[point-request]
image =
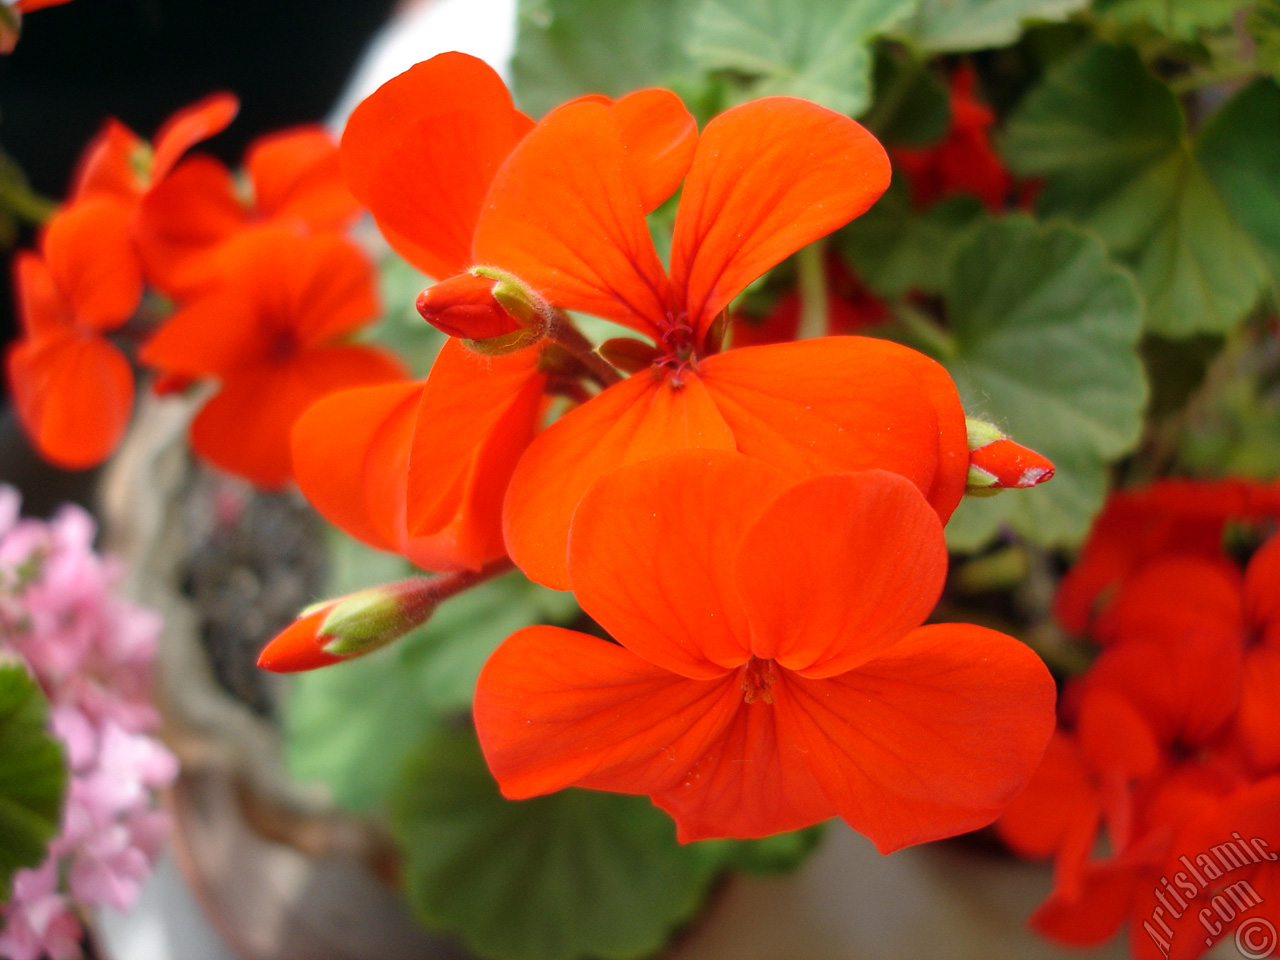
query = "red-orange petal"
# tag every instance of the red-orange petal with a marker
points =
(1262, 590)
(331, 443)
(476, 417)
(332, 286)
(651, 556)
(555, 708)
(840, 404)
(769, 177)
(1258, 721)
(110, 164)
(1186, 682)
(182, 218)
(421, 151)
(565, 215)
(933, 738)
(187, 127)
(88, 247)
(41, 307)
(245, 428)
(74, 394)
(637, 419)
(213, 335)
(1170, 595)
(660, 137)
(839, 568)
(754, 781)
(297, 177)
(1057, 801)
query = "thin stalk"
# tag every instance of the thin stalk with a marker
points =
(812, 279)
(562, 331)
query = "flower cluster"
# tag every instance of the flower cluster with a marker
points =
(91, 651)
(759, 528)
(1169, 745)
(266, 286)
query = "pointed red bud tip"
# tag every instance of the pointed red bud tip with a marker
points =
(997, 463)
(485, 305)
(350, 626)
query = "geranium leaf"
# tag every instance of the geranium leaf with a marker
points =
(1110, 139)
(943, 26)
(565, 48)
(1239, 149)
(816, 51)
(33, 775)
(897, 250)
(1045, 329)
(1183, 19)
(571, 875)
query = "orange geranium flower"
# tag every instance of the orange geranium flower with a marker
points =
(351, 455)
(565, 215)
(770, 671)
(1170, 516)
(73, 389)
(120, 164)
(189, 216)
(273, 331)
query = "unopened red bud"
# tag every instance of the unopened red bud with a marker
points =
(350, 626)
(464, 306)
(997, 463)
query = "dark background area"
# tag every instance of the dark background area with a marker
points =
(139, 60)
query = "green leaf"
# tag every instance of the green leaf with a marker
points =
(816, 50)
(896, 250)
(1111, 141)
(33, 776)
(912, 107)
(1181, 19)
(1263, 25)
(1045, 329)
(943, 26)
(351, 725)
(572, 875)
(1240, 150)
(565, 48)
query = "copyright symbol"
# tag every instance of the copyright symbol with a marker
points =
(1256, 938)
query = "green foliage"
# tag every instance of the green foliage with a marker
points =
(565, 48)
(820, 55)
(946, 26)
(1045, 330)
(1263, 25)
(896, 250)
(1182, 19)
(351, 726)
(33, 775)
(912, 107)
(572, 875)
(1111, 141)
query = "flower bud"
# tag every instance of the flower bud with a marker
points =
(350, 626)
(997, 463)
(492, 309)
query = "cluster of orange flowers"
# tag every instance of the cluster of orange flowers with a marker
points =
(1168, 747)
(264, 282)
(760, 529)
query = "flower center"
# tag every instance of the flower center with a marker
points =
(676, 349)
(756, 680)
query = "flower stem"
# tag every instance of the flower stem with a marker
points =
(562, 331)
(813, 293)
